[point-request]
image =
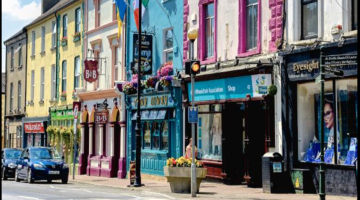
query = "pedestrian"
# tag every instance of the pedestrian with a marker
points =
(189, 150)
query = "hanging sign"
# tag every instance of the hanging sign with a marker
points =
(146, 54)
(91, 73)
(101, 117)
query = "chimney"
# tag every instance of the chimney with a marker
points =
(47, 4)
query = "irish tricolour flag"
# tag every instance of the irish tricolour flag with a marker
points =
(144, 4)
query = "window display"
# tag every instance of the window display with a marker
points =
(340, 113)
(210, 132)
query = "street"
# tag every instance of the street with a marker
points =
(12, 190)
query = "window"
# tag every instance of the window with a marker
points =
(53, 82)
(168, 45)
(116, 64)
(251, 24)
(12, 58)
(33, 43)
(77, 20)
(20, 56)
(97, 14)
(53, 35)
(19, 95)
(114, 11)
(209, 132)
(11, 96)
(64, 71)
(65, 24)
(32, 85)
(43, 39)
(354, 14)
(77, 73)
(340, 114)
(42, 84)
(209, 30)
(309, 19)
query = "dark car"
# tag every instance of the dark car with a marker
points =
(41, 163)
(9, 158)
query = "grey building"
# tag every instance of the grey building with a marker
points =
(15, 107)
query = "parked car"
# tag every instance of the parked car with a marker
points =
(41, 163)
(9, 158)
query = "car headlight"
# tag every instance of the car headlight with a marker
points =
(38, 166)
(65, 166)
(12, 165)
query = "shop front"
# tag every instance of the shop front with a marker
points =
(14, 133)
(162, 135)
(34, 131)
(235, 124)
(100, 137)
(302, 114)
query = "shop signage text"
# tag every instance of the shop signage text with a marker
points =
(146, 54)
(36, 127)
(101, 117)
(91, 73)
(153, 101)
(338, 60)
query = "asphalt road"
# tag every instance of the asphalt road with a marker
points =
(11, 190)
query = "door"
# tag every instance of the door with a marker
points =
(233, 157)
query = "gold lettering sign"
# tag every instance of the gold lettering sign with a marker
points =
(309, 66)
(154, 101)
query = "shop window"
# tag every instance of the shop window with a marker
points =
(155, 135)
(209, 132)
(164, 129)
(147, 135)
(340, 106)
(309, 19)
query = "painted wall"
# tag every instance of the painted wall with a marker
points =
(330, 13)
(156, 21)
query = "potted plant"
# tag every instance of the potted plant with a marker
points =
(178, 174)
(74, 95)
(77, 36)
(165, 81)
(63, 96)
(64, 41)
(51, 132)
(65, 134)
(165, 70)
(150, 83)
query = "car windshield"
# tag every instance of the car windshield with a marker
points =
(44, 153)
(12, 154)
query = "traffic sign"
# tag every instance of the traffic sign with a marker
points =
(193, 115)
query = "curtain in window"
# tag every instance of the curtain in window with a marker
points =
(251, 24)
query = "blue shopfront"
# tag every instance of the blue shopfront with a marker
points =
(161, 135)
(235, 126)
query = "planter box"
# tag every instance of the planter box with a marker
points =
(180, 178)
(63, 42)
(77, 38)
(62, 98)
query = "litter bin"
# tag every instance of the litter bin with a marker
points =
(273, 173)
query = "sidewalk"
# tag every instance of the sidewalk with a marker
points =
(208, 190)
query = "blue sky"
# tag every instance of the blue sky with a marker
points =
(15, 15)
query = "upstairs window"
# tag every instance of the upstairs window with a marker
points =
(11, 96)
(309, 19)
(33, 43)
(42, 84)
(65, 25)
(168, 45)
(77, 73)
(251, 24)
(116, 63)
(97, 13)
(12, 58)
(32, 85)
(53, 35)
(20, 56)
(53, 82)
(19, 95)
(43, 39)
(64, 71)
(209, 30)
(77, 20)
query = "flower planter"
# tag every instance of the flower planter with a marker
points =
(62, 98)
(77, 38)
(180, 178)
(63, 42)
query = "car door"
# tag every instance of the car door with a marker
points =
(22, 163)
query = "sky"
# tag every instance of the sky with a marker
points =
(15, 15)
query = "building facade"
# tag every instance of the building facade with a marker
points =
(16, 87)
(236, 46)
(3, 127)
(320, 33)
(102, 125)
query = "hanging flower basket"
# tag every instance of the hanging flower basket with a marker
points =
(165, 70)
(165, 81)
(151, 82)
(77, 36)
(64, 41)
(128, 88)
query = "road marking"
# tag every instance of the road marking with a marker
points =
(29, 198)
(164, 195)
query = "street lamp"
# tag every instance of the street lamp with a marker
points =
(192, 35)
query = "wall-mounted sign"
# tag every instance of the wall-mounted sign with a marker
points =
(231, 88)
(154, 101)
(146, 54)
(101, 117)
(34, 127)
(91, 73)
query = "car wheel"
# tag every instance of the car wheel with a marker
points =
(16, 176)
(49, 180)
(4, 174)
(30, 178)
(64, 180)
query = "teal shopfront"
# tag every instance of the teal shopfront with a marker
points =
(161, 135)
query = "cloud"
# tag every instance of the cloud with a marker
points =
(21, 12)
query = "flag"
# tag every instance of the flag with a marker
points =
(120, 14)
(144, 5)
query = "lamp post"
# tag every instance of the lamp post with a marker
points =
(192, 35)
(322, 170)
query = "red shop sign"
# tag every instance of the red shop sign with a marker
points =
(36, 127)
(91, 73)
(101, 117)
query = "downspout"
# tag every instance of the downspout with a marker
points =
(25, 115)
(57, 56)
(283, 28)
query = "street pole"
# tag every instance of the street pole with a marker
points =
(75, 149)
(322, 170)
(138, 120)
(193, 165)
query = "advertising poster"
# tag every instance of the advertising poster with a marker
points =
(146, 54)
(329, 118)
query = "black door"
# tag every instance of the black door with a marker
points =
(233, 156)
(255, 116)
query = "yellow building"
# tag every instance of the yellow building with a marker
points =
(54, 66)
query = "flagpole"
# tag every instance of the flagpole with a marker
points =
(138, 120)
